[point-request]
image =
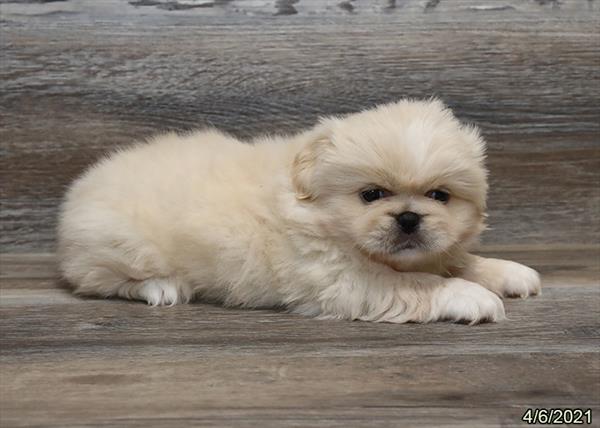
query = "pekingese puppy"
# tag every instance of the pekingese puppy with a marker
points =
(369, 216)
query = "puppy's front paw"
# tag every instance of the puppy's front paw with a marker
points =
(464, 301)
(506, 278)
(520, 281)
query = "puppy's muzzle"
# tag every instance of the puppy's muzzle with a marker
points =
(408, 222)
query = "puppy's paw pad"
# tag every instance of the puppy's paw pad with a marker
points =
(159, 292)
(520, 281)
(465, 301)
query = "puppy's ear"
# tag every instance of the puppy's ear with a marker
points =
(305, 163)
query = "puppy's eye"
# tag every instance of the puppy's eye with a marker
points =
(438, 195)
(371, 195)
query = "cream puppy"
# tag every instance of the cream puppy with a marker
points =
(364, 217)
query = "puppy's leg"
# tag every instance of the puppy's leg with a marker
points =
(410, 297)
(503, 277)
(116, 261)
(155, 291)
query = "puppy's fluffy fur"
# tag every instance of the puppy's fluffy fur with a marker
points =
(312, 222)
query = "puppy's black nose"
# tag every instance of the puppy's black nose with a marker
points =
(408, 221)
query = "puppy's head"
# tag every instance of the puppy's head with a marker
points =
(403, 183)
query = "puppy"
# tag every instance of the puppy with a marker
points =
(369, 217)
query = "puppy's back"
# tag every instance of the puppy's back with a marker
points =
(135, 214)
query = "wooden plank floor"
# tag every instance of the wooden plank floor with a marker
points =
(73, 362)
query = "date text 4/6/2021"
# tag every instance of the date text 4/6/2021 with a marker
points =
(557, 416)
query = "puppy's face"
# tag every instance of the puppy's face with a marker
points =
(404, 183)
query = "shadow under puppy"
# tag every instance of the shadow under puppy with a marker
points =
(368, 216)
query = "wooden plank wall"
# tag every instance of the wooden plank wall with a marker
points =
(79, 78)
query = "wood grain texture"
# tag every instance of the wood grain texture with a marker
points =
(80, 78)
(66, 361)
